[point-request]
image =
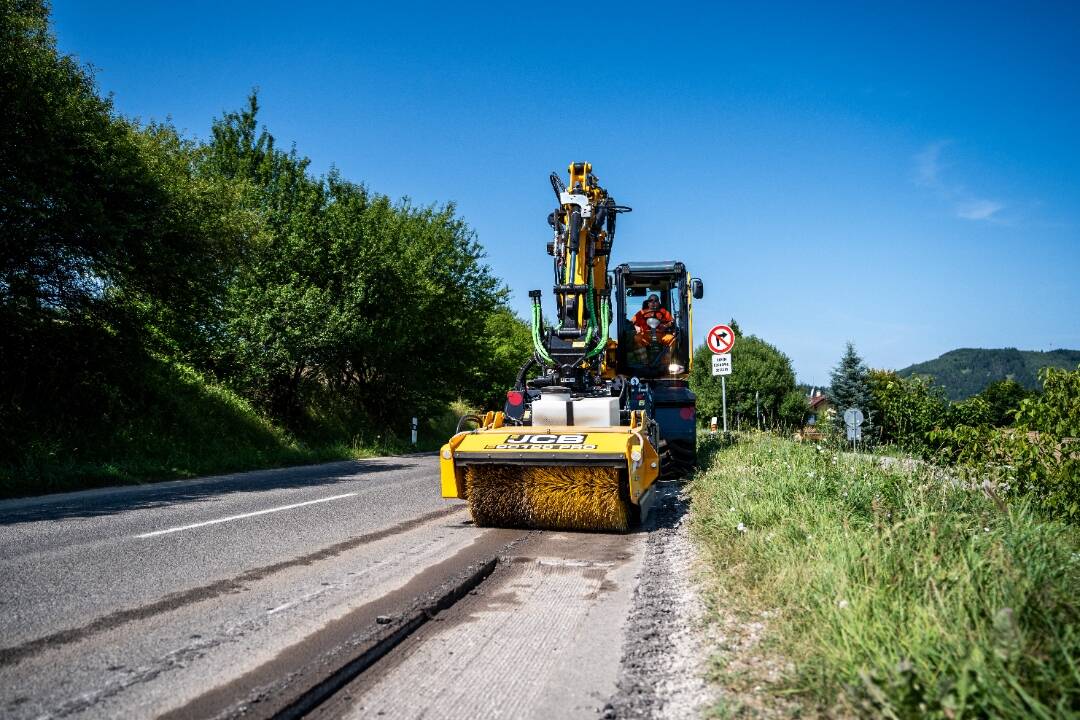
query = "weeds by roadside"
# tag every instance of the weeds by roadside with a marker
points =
(890, 592)
(185, 425)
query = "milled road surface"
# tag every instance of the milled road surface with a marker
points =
(241, 595)
(540, 638)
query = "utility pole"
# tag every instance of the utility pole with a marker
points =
(757, 408)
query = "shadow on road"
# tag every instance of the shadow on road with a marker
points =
(136, 497)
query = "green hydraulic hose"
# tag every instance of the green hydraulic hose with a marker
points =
(592, 310)
(605, 320)
(538, 346)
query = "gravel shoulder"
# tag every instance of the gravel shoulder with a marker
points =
(665, 657)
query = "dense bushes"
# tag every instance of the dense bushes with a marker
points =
(1039, 457)
(1024, 442)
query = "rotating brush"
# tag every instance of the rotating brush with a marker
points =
(554, 497)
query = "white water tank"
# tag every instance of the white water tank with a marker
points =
(553, 409)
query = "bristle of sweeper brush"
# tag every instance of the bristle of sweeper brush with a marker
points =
(570, 497)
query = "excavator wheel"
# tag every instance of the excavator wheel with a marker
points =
(678, 459)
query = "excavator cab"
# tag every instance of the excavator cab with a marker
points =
(660, 354)
(658, 349)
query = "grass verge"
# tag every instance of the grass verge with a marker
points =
(889, 592)
(179, 424)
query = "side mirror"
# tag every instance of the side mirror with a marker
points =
(697, 288)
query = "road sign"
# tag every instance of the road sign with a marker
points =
(720, 339)
(721, 364)
(854, 433)
(853, 417)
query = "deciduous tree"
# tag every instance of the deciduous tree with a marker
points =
(757, 367)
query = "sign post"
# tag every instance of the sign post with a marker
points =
(723, 395)
(853, 420)
(720, 340)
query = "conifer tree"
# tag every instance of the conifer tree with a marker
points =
(851, 388)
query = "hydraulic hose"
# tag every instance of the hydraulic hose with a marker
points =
(592, 309)
(520, 383)
(538, 347)
(605, 320)
(465, 419)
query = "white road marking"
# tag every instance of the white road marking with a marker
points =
(244, 515)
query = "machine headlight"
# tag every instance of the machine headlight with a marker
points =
(675, 368)
(446, 454)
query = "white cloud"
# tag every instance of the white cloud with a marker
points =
(978, 209)
(928, 165)
(930, 172)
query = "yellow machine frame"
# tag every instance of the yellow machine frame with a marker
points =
(623, 446)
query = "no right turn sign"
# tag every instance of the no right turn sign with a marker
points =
(720, 339)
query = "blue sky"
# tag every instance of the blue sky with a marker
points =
(906, 177)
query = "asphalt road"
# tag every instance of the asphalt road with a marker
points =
(226, 596)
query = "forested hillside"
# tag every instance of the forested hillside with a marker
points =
(968, 371)
(171, 306)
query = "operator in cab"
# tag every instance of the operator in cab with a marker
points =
(651, 316)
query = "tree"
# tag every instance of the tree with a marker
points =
(126, 248)
(757, 368)
(1004, 398)
(504, 349)
(850, 388)
(112, 246)
(381, 308)
(794, 408)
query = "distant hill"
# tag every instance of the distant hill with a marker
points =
(967, 371)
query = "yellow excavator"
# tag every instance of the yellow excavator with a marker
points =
(580, 445)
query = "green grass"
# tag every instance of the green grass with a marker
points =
(178, 425)
(892, 593)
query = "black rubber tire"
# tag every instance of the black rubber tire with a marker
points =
(678, 460)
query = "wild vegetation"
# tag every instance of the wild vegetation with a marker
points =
(171, 306)
(1023, 442)
(935, 577)
(893, 591)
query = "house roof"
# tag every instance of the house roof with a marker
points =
(818, 400)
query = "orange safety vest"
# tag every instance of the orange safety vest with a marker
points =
(642, 316)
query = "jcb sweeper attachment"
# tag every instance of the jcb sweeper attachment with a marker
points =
(569, 477)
